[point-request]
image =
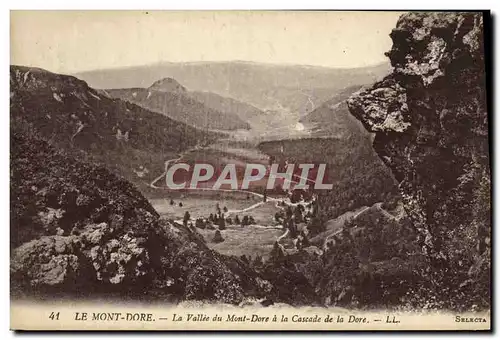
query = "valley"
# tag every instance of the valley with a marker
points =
(160, 182)
(257, 225)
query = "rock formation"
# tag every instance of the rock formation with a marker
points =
(430, 120)
(78, 229)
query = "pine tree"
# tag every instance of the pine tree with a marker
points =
(218, 237)
(222, 223)
(186, 219)
(277, 217)
(258, 262)
(244, 222)
(298, 215)
(305, 239)
(277, 252)
(292, 228)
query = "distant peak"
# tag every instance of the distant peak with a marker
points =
(167, 85)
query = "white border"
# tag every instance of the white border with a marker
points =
(186, 4)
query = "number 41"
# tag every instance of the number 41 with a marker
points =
(54, 316)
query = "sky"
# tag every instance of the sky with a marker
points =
(75, 41)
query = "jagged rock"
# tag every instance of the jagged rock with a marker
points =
(77, 228)
(58, 260)
(431, 125)
(430, 120)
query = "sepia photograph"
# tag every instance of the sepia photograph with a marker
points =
(250, 170)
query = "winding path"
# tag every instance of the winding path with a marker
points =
(327, 239)
(377, 205)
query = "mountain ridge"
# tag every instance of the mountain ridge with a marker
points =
(265, 86)
(91, 125)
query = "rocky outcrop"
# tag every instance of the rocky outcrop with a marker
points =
(430, 120)
(78, 229)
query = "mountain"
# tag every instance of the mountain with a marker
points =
(292, 88)
(246, 112)
(333, 117)
(80, 230)
(124, 137)
(170, 98)
(167, 85)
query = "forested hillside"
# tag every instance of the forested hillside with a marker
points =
(128, 139)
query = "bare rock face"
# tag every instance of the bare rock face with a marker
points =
(431, 129)
(91, 257)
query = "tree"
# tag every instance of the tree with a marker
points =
(298, 243)
(211, 218)
(285, 223)
(277, 253)
(292, 228)
(186, 219)
(222, 223)
(225, 209)
(251, 220)
(298, 214)
(237, 220)
(296, 196)
(305, 239)
(180, 204)
(277, 217)
(265, 196)
(172, 202)
(258, 262)
(314, 226)
(245, 222)
(200, 223)
(218, 237)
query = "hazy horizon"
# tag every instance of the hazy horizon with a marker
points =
(232, 62)
(80, 41)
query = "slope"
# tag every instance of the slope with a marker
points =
(128, 139)
(170, 98)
